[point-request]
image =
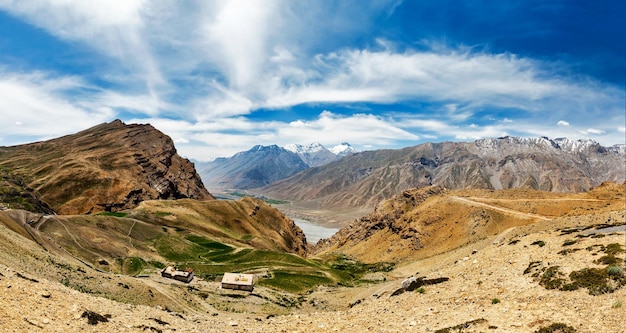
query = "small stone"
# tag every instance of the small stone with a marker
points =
(233, 323)
(413, 323)
(46, 321)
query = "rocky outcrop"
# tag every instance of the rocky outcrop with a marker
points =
(109, 167)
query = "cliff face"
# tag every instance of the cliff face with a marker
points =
(109, 167)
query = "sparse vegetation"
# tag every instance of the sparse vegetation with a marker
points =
(615, 271)
(551, 278)
(133, 265)
(556, 328)
(539, 243)
(95, 318)
(569, 242)
(461, 327)
(114, 214)
(617, 305)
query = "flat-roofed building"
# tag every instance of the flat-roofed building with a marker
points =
(172, 273)
(238, 281)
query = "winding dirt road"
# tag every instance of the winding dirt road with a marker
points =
(500, 209)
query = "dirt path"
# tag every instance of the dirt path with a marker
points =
(500, 209)
(130, 239)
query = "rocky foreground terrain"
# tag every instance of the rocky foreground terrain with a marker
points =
(495, 285)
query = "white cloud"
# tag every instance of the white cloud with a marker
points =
(38, 105)
(234, 57)
(225, 136)
(621, 129)
(114, 28)
(592, 131)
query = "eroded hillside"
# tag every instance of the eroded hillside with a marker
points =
(367, 178)
(423, 222)
(109, 167)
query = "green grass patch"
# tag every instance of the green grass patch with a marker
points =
(114, 214)
(356, 269)
(162, 214)
(294, 282)
(287, 272)
(156, 264)
(133, 265)
(209, 244)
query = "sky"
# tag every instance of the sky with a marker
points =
(219, 77)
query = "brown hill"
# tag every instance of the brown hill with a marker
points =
(365, 179)
(109, 167)
(158, 231)
(505, 283)
(424, 222)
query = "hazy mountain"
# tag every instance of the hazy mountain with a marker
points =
(263, 165)
(108, 167)
(259, 166)
(366, 178)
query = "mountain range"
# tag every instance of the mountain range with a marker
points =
(263, 165)
(366, 178)
(89, 220)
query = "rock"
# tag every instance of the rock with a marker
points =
(408, 282)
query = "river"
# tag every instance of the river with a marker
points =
(314, 232)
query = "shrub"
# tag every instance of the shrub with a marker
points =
(615, 271)
(617, 305)
(569, 242)
(539, 243)
(495, 301)
(556, 327)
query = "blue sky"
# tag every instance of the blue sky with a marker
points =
(222, 76)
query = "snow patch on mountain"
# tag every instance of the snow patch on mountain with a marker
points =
(343, 149)
(308, 149)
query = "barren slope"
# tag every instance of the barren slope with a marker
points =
(365, 179)
(490, 289)
(109, 167)
(429, 221)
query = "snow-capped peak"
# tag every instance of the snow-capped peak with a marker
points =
(300, 149)
(343, 149)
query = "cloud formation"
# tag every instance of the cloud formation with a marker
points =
(221, 76)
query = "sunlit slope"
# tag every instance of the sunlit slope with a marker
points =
(429, 221)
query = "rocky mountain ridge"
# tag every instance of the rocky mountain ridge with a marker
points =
(366, 178)
(263, 165)
(109, 167)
